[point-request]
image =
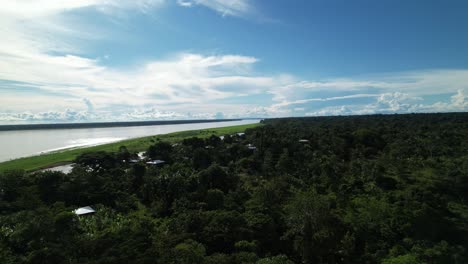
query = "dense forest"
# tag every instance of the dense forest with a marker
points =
(363, 189)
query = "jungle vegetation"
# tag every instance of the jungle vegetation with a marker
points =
(362, 189)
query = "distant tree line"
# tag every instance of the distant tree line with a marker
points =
(107, 124)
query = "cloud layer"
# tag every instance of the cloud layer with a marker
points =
(45, 76)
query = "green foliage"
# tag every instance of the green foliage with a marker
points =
(214, 199)
(310, 225)
(281, 259)
(368, 189)
(201, 159)
(97, 160)
(189, 252)
(403, 259)
(246, 246)
(161, 151)
(215, 177)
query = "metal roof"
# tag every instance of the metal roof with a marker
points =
(141, 155)
(84, 210)
(155, 162)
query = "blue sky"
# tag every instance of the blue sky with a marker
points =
(108, 60)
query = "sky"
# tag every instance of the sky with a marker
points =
(124, 60)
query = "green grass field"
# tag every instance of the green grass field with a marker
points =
(137, 144)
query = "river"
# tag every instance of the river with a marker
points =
(23, 143)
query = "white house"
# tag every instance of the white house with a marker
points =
(84, 210)
(155, 162)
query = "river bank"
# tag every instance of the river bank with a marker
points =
(62, 157)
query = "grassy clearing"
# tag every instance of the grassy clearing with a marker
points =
(133, 145)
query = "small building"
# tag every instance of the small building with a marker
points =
(133, 161)
(241, 134)
(303, 141)
(84, 210)
(155, 162)
(67, 168)
(141, 155)
(251, 147)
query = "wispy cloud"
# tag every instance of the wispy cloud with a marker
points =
(25, 9)
(186, 78)
(224, 7)
(412, 82)
(38, 50)
(397, 102)
(305, 101)
(185, 3)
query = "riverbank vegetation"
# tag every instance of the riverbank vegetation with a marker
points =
(367, 189)
(47, 160)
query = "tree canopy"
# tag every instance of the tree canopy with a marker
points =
(362, 189)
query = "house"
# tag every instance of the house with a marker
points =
(303, 141)
(84, 210)
(67, 168)
(251, 147)
(155, 162)
(141, 155)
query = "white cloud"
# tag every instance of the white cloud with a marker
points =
(88, 104)
(413, 82)
(184, 78)
(27, 9)
(305, 101)
(333, 111)
(152, 114)
(397, 103)
(395, 92)
(70, 115)
(459, 100)
(49, 116)
(184, 3)
(224, 7)
(38, 49)
(385, 103)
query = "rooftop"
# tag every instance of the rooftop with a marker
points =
(84, 210)
(155, 162)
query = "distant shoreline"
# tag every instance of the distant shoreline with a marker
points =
(107, 124)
